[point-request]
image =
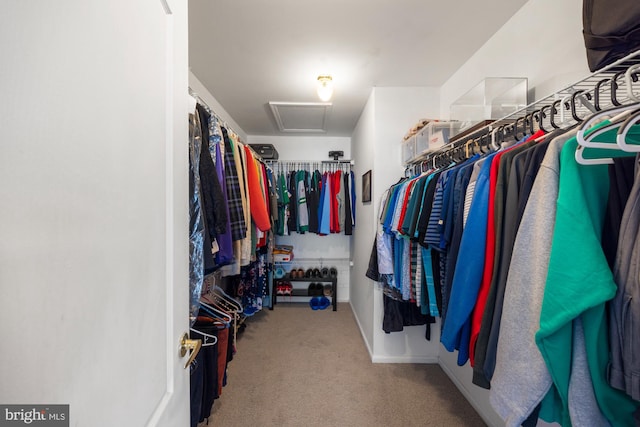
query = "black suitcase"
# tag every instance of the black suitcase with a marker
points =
(266, 151)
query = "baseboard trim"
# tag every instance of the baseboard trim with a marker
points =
(479, 409)
(405, 359)
(364, 338)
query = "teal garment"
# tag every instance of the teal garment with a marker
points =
(283, 204)
(428, 303)
(579, 283)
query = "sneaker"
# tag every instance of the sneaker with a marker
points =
(323, 303)
(328, 290)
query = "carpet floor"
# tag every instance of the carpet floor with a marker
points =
(299, 367)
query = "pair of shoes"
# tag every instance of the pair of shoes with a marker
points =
(315, 290)
(312, 273)
(297, 273)
(328, 290)
(329, 273)
(284, 288)
(319, 303)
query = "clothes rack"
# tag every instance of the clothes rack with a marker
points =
(611, 86)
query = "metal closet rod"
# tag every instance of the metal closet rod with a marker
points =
(352, 162)
(585, 95)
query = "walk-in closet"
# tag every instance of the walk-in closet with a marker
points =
(326, 214)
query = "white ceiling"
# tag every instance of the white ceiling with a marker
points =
(250, 52)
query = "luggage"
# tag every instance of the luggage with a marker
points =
(266, 151)
(611, 30)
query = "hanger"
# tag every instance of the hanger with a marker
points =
(626, 118)
(631, 76)
(596, 94)
(207, 337)
(552, 112)
(494, 143)
(232, 301)
(614, 88)
(216, 312)
(619, 113)
(623, 130)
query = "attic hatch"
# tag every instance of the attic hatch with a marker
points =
(301, 117)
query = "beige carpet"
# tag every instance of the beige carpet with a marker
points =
(299, 367)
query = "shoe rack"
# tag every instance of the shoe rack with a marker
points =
(301, 289)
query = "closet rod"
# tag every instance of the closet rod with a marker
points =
(599, 90)
(334, 162)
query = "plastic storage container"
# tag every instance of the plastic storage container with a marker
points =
(491, 99)
(408, 149)
(435, 134)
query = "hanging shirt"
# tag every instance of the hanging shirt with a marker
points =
(348, 220)
(579, 283)
(225, 242)
(352, 181)
(521, 378)
(303, 212)
(325, 206)
(467, 276)
(313, 200)
(624, 319)
(234, 197)
(259, 212)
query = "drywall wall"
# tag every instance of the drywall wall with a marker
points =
(361, 289)
(311, 250)
(390, 112)
(542, 41)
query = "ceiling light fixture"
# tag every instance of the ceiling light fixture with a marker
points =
(325, 87)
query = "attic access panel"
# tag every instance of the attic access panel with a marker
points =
(301, 117)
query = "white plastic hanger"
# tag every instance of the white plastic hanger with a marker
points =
(623, 130)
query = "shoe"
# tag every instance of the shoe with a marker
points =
(308, 274)
(287, 289)
(314, 303)
(311, 290)
(323, 303)
(316, 273)
(300, 273)
(279, 289)
(328, 290)
(293, 274)
(325, 272)
(279, 273)
(333, 273)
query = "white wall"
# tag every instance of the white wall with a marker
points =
(312, 250)
(390, 112)
(543, 42)
(397, 110)
(363, 144)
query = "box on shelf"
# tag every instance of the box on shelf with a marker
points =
(283, 253)
(408, 149)
(491, 99)
(436, 134)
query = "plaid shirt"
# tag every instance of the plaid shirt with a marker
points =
(234, 198)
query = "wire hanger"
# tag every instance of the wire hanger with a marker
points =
(216, 312)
